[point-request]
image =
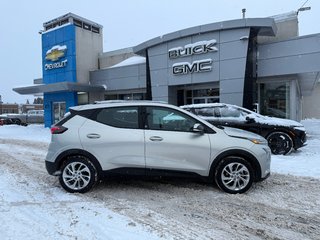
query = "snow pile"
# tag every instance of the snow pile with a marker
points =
(32, 132)
(305, 161)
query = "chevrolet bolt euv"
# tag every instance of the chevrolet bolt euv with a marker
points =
(152, 138)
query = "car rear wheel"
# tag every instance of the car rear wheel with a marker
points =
(16, 121)
(78, 174)
(280, 143)
(234, 175)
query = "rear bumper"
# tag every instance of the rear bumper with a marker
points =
(52, 168)
(263, 178)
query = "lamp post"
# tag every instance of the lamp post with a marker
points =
(243, 13)
(303, 9)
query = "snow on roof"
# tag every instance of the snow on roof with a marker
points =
(130, 61)
(248, 113)
(58, 48)
(204, 105)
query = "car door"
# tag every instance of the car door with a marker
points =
(114, 137)
(171, 144)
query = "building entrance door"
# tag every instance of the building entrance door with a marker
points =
(59, 110)
(205, 95)
(274, 99)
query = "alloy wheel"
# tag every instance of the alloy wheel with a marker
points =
(76, 175)
(235, 176)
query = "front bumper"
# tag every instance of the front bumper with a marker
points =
(299, 139)
(263, 155)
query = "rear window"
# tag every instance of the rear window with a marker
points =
(66, 118)
(120, 117)
(72, 113)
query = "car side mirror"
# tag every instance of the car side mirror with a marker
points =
(250, 120)
(198, 128)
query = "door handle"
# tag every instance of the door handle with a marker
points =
(156, 139)
(93, 135)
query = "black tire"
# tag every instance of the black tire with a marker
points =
(234, 175)
(78, 174)
(280, 143)
(16, 121)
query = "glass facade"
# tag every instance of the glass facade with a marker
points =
(127, 96)
(209, 95)
(83, 98)
(275, 99)
(59, 110)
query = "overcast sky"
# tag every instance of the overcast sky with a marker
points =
(126, 23)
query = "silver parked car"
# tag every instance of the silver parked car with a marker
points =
(141, 137)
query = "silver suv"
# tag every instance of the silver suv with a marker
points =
(148, 138)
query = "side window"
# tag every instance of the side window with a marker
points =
(120, 117)
(168, 120)
(230, 113)
(217, 113)
(244, 113)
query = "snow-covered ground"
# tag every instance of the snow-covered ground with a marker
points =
(34, 206)
(305, 161)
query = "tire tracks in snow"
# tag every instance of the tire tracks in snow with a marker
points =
(271, 210)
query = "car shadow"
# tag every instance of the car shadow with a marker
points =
(144, 182)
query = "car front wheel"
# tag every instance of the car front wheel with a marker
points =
(234, 175)
(280, 143)
(78, 175)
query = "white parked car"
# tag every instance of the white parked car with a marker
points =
(141, 137)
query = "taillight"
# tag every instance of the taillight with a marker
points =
(58, 129)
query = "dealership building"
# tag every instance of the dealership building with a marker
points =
(259, 63)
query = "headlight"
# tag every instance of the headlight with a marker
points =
(258, 141)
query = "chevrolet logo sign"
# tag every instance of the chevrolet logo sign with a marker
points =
(56, 52)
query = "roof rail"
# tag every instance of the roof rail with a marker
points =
(123, 101)
(109, 101)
